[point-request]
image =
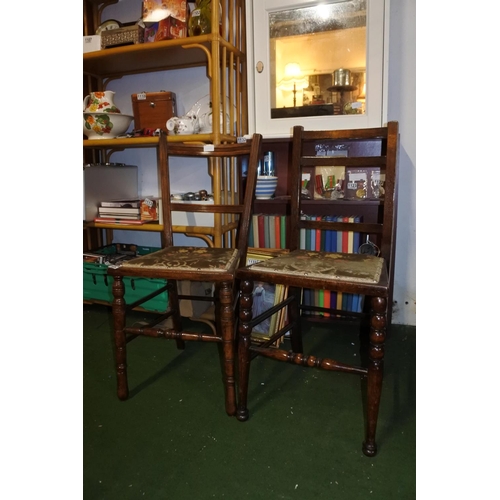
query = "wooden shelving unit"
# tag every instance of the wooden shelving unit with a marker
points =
(222, 52)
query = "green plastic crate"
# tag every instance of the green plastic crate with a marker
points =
(97, 285)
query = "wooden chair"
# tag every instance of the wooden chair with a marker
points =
(215, 263)
(349, 273)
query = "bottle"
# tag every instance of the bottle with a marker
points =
(200, 20)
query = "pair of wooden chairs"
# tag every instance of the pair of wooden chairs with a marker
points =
(368, 274)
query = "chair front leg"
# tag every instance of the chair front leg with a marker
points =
(244, 330)
(227, 325)
(119, 336)
(378, 325)
(173, 305)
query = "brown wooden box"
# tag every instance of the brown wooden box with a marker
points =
(153, 109)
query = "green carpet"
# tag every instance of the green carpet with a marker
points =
(173, 440)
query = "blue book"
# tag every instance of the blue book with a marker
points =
(349, 302)
(355, 302)
(328, 235)
(356, 236)
(313, 239)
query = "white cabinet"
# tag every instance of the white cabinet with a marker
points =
(322, 65)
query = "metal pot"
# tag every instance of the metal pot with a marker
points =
(341, 77)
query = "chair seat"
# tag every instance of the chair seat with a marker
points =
(194, 260)
(357, 268)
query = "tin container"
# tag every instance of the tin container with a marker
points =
(341, 77)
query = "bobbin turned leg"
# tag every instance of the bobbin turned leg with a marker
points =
(120, 339)
(244, 330)
(225, 291)
(375, 371)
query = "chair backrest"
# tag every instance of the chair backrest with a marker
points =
(229, 207)
(368, 154)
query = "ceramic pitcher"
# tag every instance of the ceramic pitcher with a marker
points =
(100, 102)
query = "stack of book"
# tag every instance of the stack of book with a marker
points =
(146, 210)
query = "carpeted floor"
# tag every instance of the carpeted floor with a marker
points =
(172, 439)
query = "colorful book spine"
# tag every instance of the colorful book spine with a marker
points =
(277, 231)
(283, 231)
(255, 228)
(261, 231)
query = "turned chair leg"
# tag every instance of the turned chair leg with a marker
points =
(226, 318)
(375, 371)
(244, 331)
(294, 316)
(120, 339)
(173, 305)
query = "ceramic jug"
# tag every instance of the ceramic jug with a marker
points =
(100, 102)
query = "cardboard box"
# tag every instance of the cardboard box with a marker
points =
(170, 29)
(156, 10)
(153, 109)
(193, 218)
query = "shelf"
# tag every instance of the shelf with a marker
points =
(147, 57)
(146, 142)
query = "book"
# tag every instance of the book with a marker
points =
(250, 234)
(283, 231)
(150, 208)
(119, 210)
(277, 231)
(115, 215)
(261, 231)
(272, 231)
(345, 237)
(125, 222)
(255, 230)
(128, 203)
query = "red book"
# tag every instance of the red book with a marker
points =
(262, 231)
(277, 230)
(319, 235)
(345, 237)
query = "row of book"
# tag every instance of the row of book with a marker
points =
(331, 241)
(267, 231)
(145, 210)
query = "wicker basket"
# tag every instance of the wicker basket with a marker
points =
(122, 36)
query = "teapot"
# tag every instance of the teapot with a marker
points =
(183, 125)
(100, 102)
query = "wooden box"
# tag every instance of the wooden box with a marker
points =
(153, 109)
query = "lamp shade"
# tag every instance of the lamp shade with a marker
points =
(293, 79)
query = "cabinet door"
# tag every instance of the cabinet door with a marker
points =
(316, 64)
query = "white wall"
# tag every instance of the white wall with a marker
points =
(401, 107)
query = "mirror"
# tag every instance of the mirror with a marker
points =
(318, 59)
